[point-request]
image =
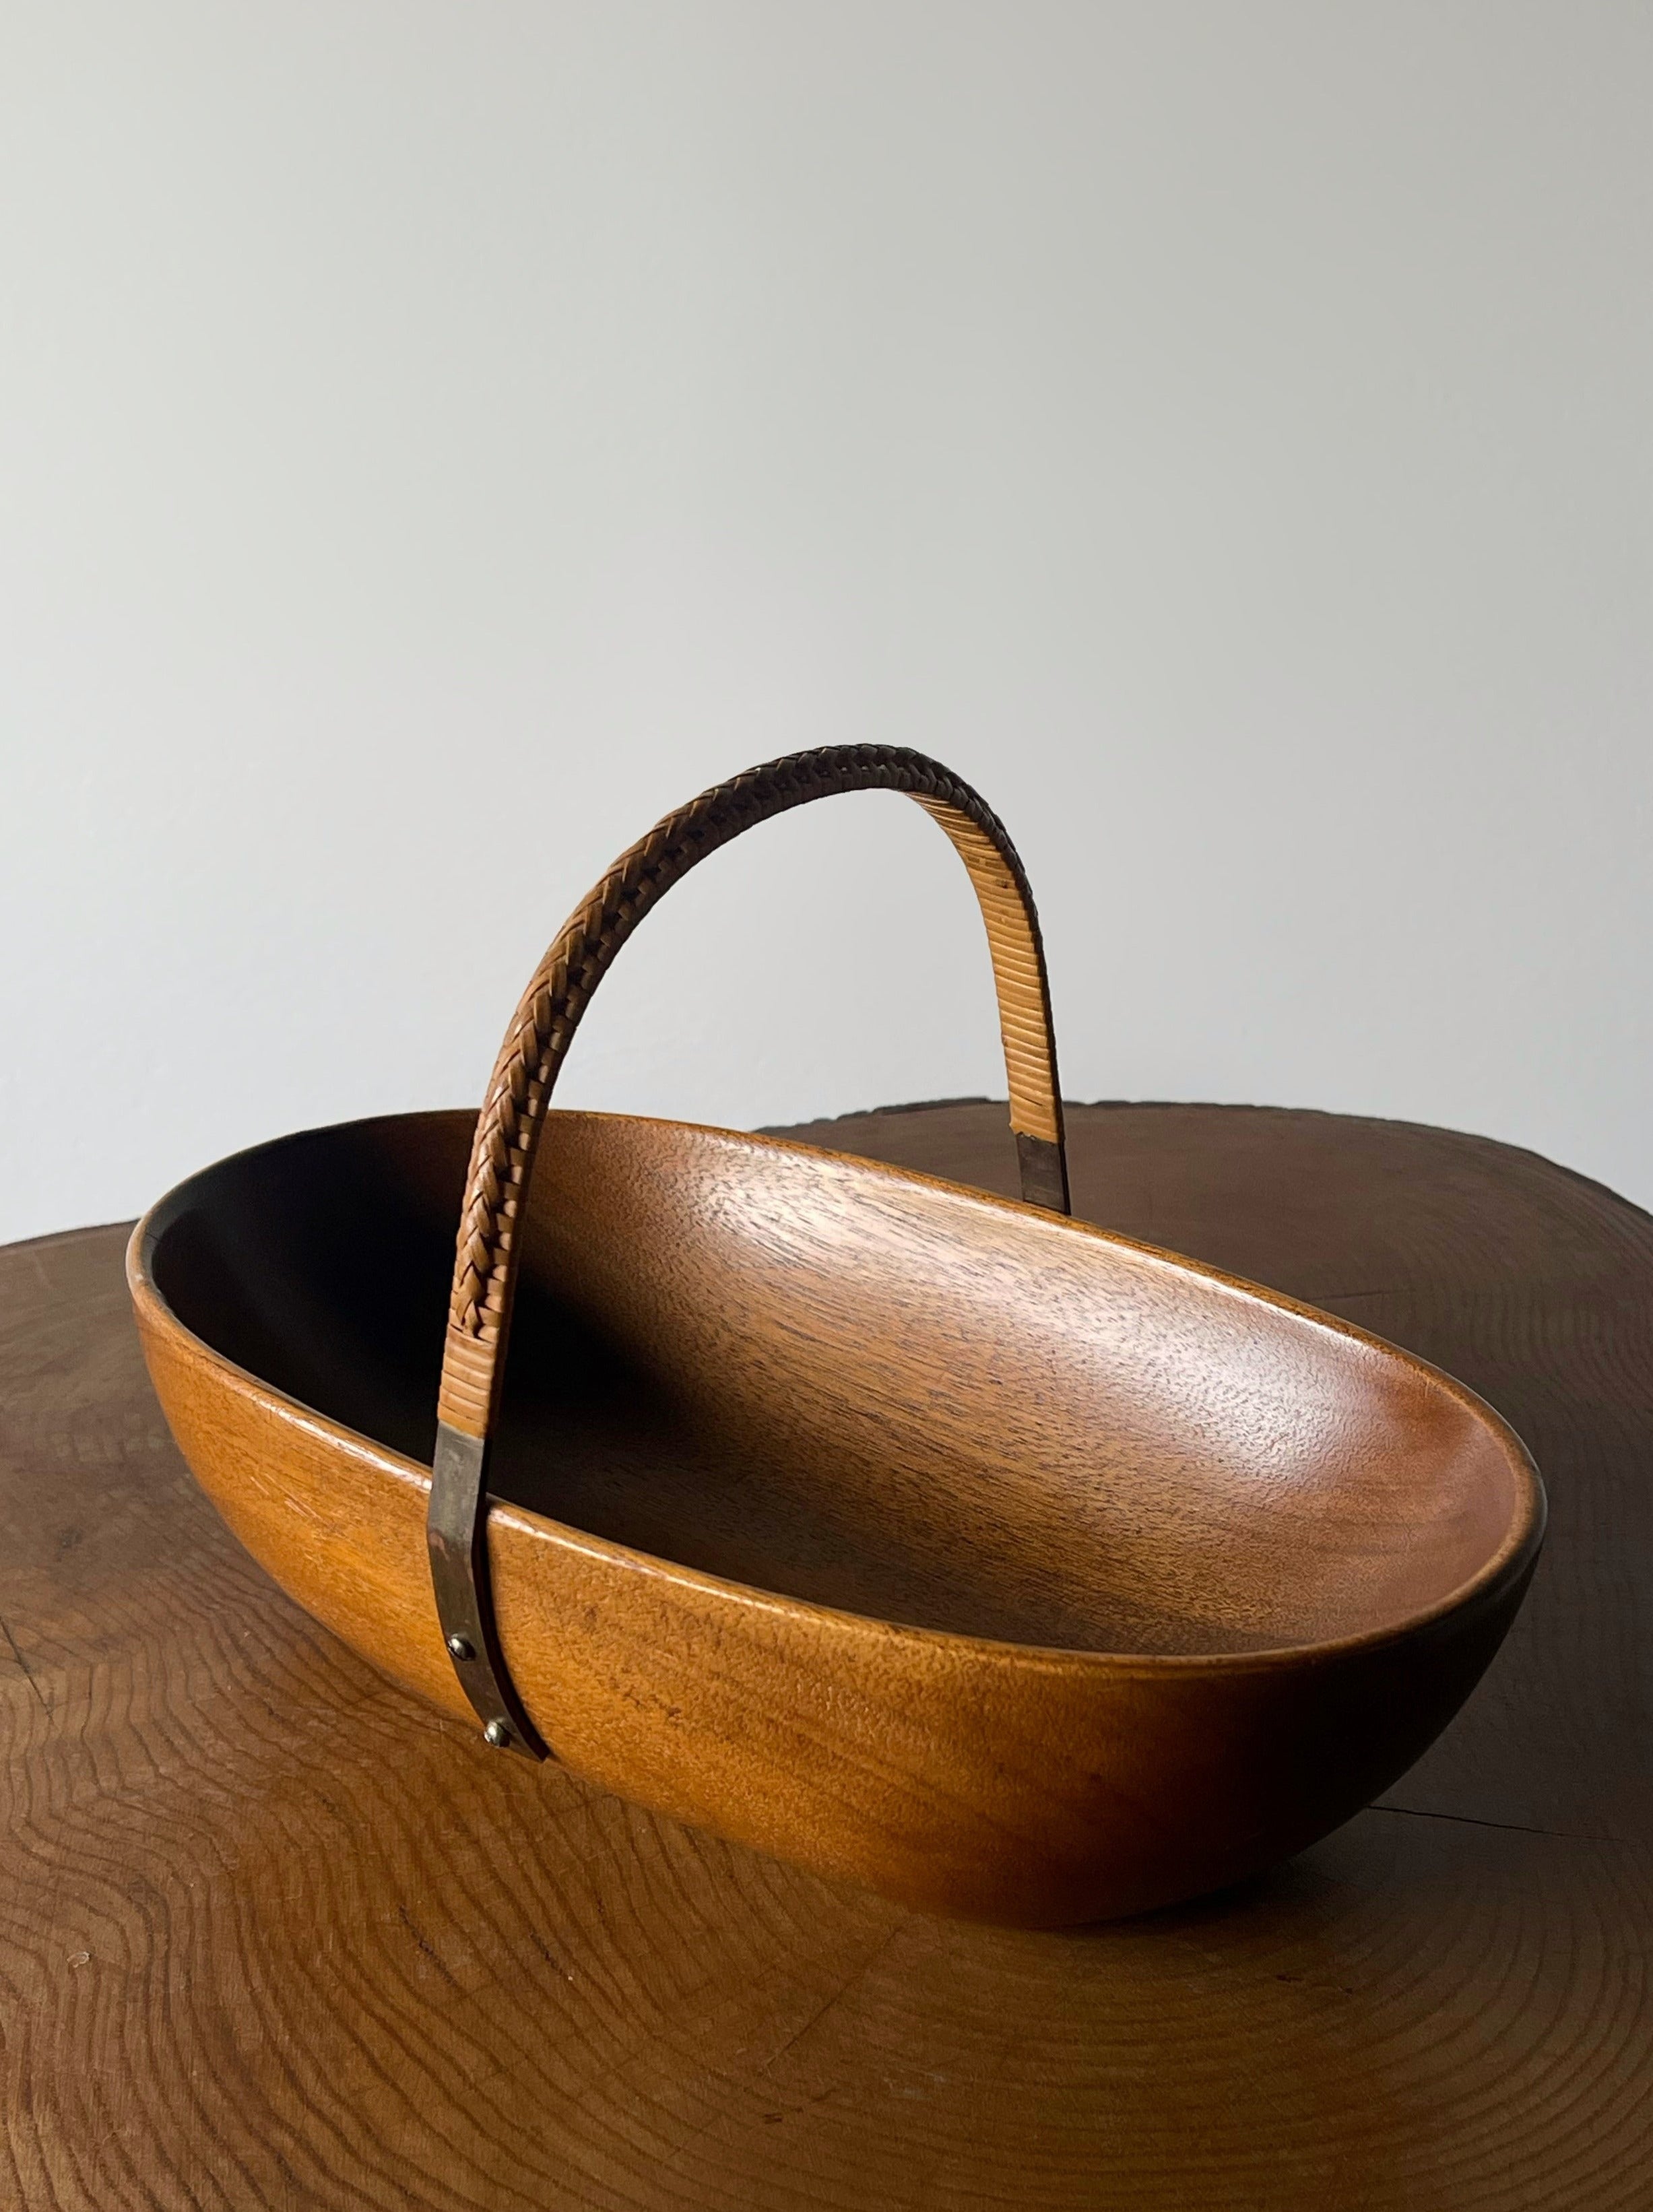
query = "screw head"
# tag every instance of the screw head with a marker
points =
(459, 1649)
(497, 1734)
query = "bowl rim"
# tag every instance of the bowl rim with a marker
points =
(1508, 1565)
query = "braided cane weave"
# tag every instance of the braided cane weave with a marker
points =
(538, 1040)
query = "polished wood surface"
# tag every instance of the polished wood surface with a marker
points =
(1016, 1570)
(274, 1934)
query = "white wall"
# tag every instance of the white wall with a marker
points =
(435, 439)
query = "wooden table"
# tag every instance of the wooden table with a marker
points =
(273, 1936)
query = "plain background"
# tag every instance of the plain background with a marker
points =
(435, 440)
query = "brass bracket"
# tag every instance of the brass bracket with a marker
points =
(456, 1531)
(1044, 1172)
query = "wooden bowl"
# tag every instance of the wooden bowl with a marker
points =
(1014, 1568)
(1106, 1582)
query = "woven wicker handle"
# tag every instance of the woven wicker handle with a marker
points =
(537, 1042)
(513, 1113)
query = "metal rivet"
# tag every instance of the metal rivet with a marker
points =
(459, 1649)
(497, 1734)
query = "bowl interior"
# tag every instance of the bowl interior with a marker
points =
(817, 1376)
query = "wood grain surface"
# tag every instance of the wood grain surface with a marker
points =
(273, 1934)
(1011, 1568)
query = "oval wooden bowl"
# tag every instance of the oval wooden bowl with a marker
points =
(1102, 1581)
(1014, 1568)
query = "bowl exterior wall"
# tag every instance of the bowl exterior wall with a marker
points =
(987, 1781)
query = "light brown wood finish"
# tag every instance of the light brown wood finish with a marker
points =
(274, 1934)
(1012, 1569)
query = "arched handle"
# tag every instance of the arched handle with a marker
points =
(526, 1072)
